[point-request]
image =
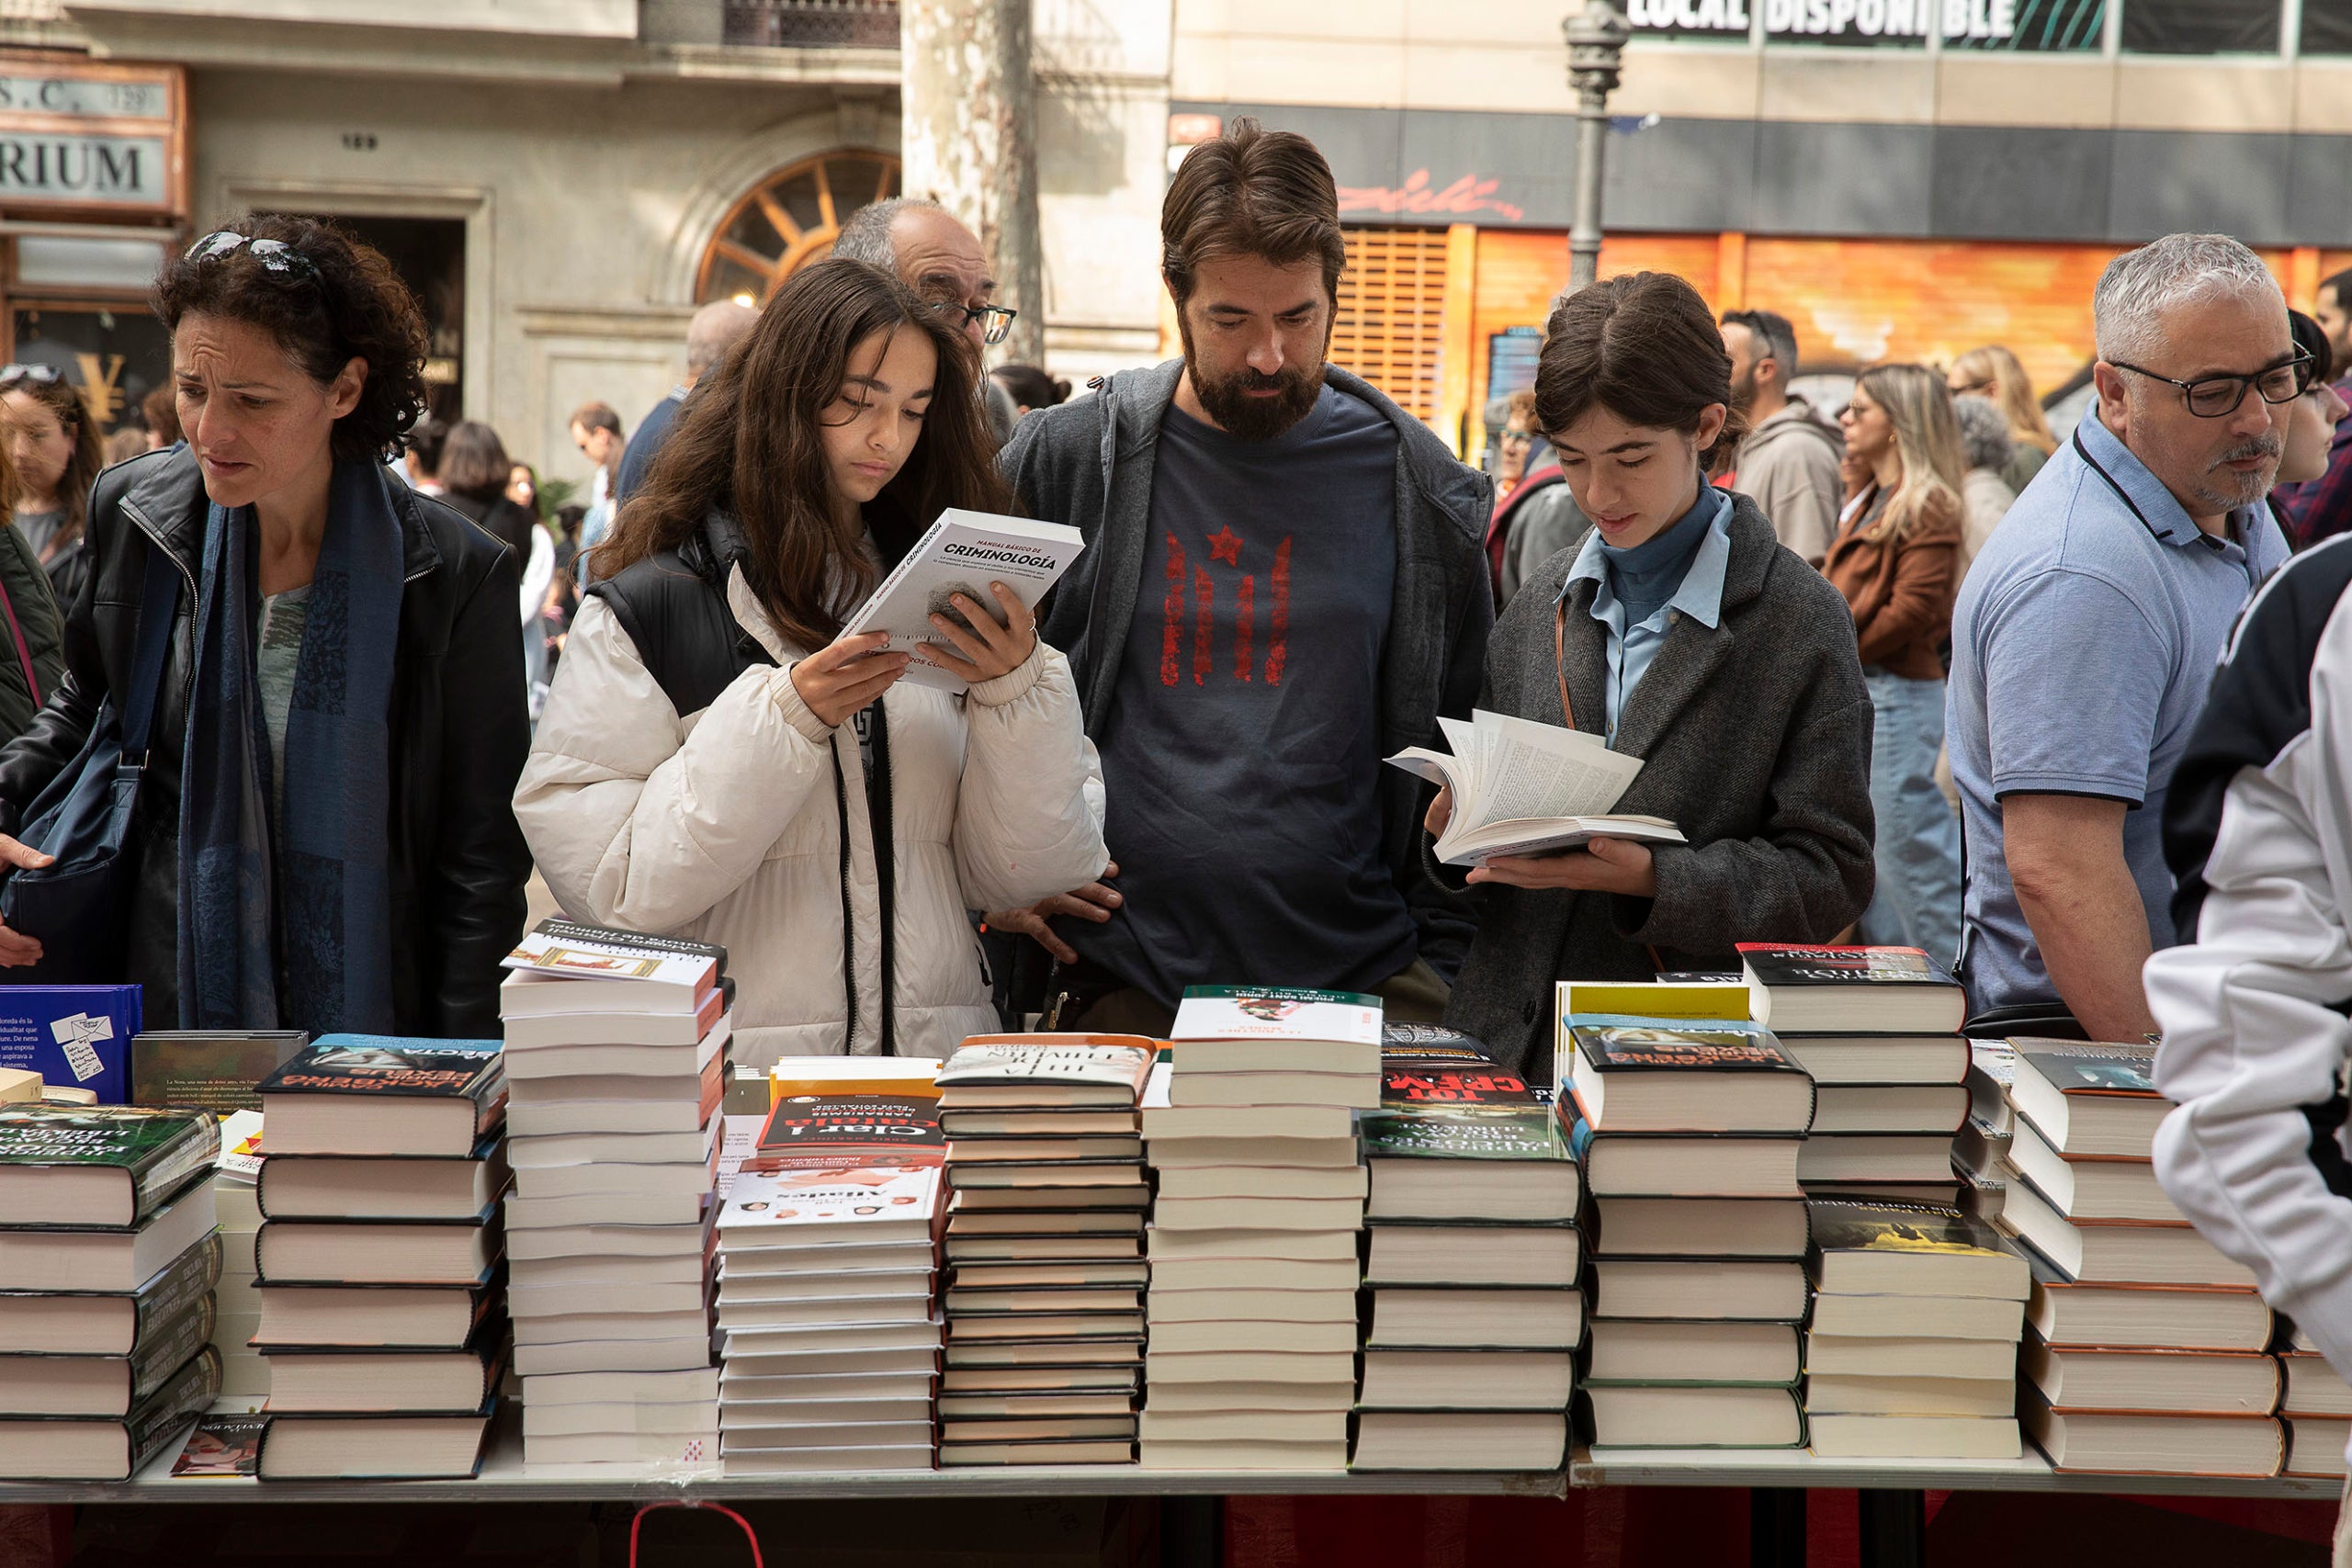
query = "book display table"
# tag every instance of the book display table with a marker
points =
(1893, 1522)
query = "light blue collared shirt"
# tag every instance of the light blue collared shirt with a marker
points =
(1632, 649)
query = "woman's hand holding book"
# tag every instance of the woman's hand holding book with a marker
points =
(1605, 865)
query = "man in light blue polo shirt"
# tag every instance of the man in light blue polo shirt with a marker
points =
(2084, 638)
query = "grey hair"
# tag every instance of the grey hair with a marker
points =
(866, 236)
(2139, 286)
(715, 328)
(1984, 431)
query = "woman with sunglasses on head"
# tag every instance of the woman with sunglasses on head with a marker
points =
(717, 760)
(325, 838)
(56, 452)
(1994, 372)
(1681, 632)
(1897, 560)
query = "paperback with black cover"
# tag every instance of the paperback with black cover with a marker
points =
(98, 1165)
(828, 1131)
(1832, 988)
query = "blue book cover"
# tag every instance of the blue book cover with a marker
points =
(74, 1037)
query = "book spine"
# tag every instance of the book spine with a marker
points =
(189, 1279)
(156, 1425)
(151, 1363)
(900, 573)
(157, 1173)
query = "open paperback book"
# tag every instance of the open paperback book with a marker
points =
(1524, 788)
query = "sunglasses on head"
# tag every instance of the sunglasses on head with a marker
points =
(39, 375)
(276, 256)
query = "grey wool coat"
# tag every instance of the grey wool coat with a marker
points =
(1755, 738)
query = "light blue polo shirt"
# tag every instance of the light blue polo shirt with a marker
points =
(1632, 649)
(2083, 644)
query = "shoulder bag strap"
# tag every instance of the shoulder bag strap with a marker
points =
(1560, 658)
(24, 650)
(158, 602)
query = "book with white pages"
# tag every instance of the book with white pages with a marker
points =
(962, 552)
(1522, 788)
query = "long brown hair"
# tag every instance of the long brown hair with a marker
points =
(1927, 438)
(89, 455)
(747, 443)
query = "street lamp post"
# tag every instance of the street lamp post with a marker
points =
(1596, 39)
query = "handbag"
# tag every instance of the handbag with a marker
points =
(78, 906)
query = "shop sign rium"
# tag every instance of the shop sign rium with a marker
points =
(78, 134)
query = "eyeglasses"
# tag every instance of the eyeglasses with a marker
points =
(1517, 437)
(39, 375)
(276, 256)
(996, 321)
(2218, 397)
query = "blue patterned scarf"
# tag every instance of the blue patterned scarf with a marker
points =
(316, 897)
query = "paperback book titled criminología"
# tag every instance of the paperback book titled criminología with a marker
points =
(962, 553)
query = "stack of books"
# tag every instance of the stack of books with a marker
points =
(382, 1318)
(2316, 1405)
(617, 1046)
(245, 1376)
(1044, 1326)
(1689, 1132)
(1475, 1316)
(1913, 1348)
(1251, 1360)
(1877, 1030)
(108, 1264)
(828, 1278)
(2121, 1276)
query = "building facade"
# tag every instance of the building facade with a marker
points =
(562, 181)
(1902, 178)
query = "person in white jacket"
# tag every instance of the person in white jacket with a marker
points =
(2259, 833)
(718, 761)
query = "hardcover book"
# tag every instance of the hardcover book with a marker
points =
(353, 1094)
(1865, 1248)
(73, 1448)
(217, 1069)
(78, 1036)
(56, 1323)
(98, 1165)
(810, 1132)
(2089, 1097)
(1852, 988)
(1657, 1076)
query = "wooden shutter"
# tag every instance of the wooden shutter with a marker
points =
(1390, 325)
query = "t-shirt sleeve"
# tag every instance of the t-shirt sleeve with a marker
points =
(2075, 673)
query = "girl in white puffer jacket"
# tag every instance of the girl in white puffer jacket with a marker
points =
(716, 762)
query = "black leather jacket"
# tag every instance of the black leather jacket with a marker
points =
(459, 732)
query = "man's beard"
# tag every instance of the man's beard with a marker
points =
(1247, 418)
(2226, 491)
(1742, 390)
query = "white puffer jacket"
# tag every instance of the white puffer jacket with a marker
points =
(726, 826)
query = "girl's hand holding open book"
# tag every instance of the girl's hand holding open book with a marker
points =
(1605, 865)
(990, 649)
(1441, 812)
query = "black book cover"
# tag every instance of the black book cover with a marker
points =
(1770, 964)
(1614, 1046)
(167, 1292)
(2074, 1067)
(378, 1065)
(1840, 1224)
(156, 1425)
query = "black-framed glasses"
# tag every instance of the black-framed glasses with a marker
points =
(2218, 397)
(996, 321)
(275, 255)
(39, 375)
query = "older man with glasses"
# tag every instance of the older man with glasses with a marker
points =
(940, 259)
(2084, 638)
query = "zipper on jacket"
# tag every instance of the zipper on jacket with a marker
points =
(155, 537)
(886, 872)
(849, 914)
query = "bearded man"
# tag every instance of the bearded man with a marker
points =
(1283, 583)
(2085, 640)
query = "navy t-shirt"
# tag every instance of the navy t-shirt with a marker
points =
(1242, 752)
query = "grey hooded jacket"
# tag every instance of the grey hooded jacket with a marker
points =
(1089, 464)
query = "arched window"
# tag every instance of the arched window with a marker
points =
(788, 220)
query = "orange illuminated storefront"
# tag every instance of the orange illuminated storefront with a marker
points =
(1447, 319)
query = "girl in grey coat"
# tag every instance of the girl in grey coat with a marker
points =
(1681, 631)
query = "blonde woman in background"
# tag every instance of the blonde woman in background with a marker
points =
(1897, 560)
(1994, 372)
